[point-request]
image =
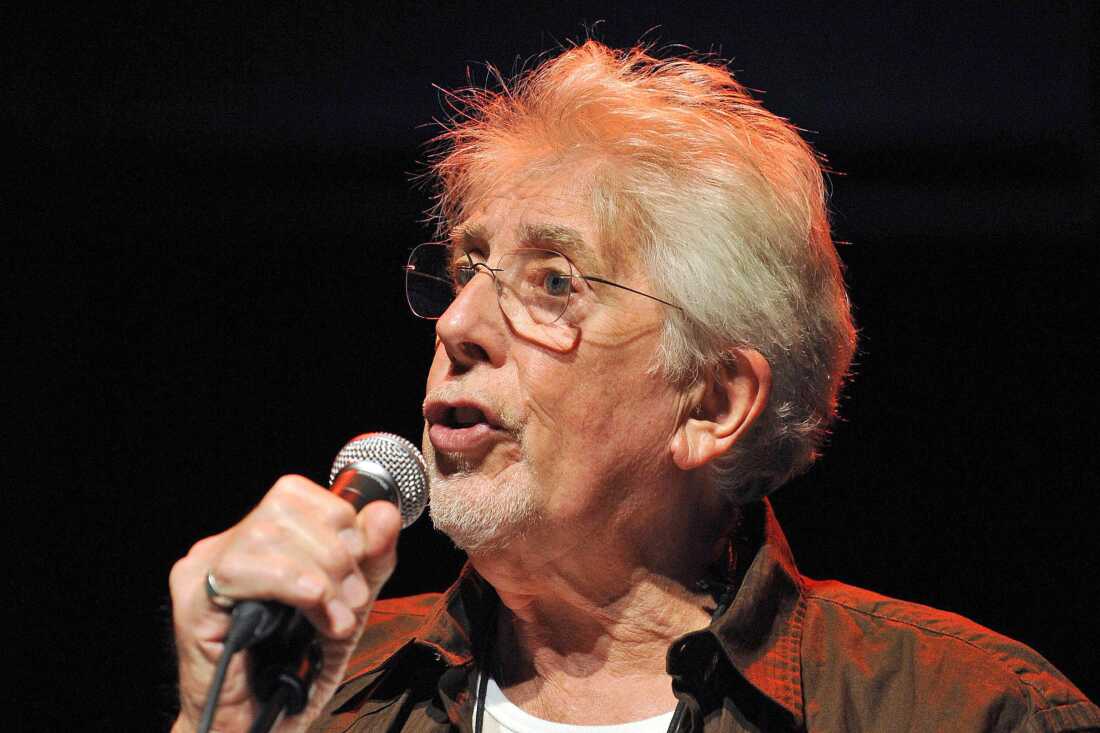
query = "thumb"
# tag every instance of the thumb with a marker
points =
(380, 523)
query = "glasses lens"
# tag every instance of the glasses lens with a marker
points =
(533, 288)
(429, 286)
(535, 285)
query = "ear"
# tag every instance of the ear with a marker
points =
(722, 407)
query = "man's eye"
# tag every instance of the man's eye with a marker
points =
(557, 284)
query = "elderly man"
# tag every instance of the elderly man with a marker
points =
(642, 330)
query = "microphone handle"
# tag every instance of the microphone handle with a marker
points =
(285, 657)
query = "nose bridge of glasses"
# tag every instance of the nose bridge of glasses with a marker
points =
(474, 268)
(510, 302)
(484, 266)
(468, 288)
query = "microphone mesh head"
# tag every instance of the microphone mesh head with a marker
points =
(400, 459)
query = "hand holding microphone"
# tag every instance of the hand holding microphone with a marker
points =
(308, 549)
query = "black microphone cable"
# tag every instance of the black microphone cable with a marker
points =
(251, 622)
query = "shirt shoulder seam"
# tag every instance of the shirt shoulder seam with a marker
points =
(985, 652)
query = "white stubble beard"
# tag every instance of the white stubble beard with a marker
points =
(479, 512)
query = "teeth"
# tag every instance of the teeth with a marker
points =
(465, 416)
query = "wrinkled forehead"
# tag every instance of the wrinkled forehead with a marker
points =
(562, 208)
(475, 235)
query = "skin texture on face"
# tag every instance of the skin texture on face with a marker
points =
(571, 471)
(582, 428)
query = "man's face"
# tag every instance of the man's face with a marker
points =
(545, 433)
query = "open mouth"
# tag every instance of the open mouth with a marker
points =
(460, 427)
(458, 416)
(464, 417)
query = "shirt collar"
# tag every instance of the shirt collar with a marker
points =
(760, 632)
(462, 618)
(450, 629)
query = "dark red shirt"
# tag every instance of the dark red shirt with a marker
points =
(789, 653)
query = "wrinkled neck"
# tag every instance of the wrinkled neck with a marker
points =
(584, 603)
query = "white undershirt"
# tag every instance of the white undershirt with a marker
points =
(501, 716)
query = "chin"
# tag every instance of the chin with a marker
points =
(480, 514)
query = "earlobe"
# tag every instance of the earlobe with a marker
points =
(692, 444)
(726, 404)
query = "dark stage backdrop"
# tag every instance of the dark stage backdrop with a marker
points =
(212, 202)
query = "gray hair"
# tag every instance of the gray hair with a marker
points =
(724, 204)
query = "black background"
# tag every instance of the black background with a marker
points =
(209, 208)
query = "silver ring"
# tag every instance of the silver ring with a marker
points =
(216, 597)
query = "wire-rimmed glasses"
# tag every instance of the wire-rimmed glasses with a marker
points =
(534, 286)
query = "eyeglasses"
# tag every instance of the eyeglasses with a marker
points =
(534, 286)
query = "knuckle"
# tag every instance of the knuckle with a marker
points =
(230, 569)
(203, 546)
(290, 485)
(338, 558)
(264, 533)
(182, 575)
(177, 577)
(338, 512)
(282, 573)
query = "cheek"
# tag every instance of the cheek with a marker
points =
(597, 417)
(545, 395)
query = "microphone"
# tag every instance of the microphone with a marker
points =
(381, 466)
(286, 656)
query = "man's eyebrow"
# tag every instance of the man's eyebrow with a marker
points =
(469, 237)
(562, 239)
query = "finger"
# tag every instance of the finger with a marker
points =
(282, 574)
(315, 543)
(262, 562)
(330, 605)
(329, 549)
(309, 512)
(191, 607)
(380, 523)
(186, 571)
(297, 496)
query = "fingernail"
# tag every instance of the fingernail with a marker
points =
(310, 586)
(353, 540)
(354, 591)
(340, 615)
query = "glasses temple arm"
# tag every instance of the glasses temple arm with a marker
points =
(593, 278)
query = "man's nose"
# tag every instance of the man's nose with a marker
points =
(472, 329)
